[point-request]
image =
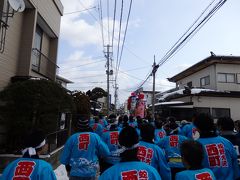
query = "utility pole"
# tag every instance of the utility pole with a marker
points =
(115, 97)
(155, 68)
(108, 73)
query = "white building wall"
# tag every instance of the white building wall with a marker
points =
(228, 68)
(195, 78)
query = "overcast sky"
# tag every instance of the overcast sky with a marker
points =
(154, 26)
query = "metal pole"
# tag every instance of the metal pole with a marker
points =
(155, 67)
(108, 57)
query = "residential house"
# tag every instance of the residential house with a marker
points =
(212, 86)
(29, 40)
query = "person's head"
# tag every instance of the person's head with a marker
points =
(35, 144)
(158, 124)
(100, 116)
(96, 119)
(225, 124)
(128, 139)
(147, 132)
(83, 123)
(237, 125)
(205, 125)
(125, 118)
(139, 121)
(171, 119)
(131, 118)
(192, 154)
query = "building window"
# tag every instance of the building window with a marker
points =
(200, 110)
(37, 49)
(220, 112)
(226, 77)
(189, 84)
(205, 81)
(238, 78)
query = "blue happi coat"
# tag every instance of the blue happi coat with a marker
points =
(28, 168)
(81, 152)
(154, 156)
(189, 130)
(220, 156)
(171, 146)
(111, 139)
(130, 170)
(159, 134)
(200, 174)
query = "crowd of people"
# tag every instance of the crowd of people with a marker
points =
(132, 148)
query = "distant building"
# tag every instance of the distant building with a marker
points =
(29, 40)
(148, 96)
(212, 85)
(63, 81)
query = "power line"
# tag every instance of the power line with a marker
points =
(68, 13)
(101, 21)
(125, 33)
(81, 66)
(181, 43)
(119, 38)
(114, 20)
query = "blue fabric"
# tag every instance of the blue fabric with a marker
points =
(111, 139)
(97, 128)
(171, 146)
(37, 169)
(133, 124)
(220, 156)
(154, 156)
(188, 130)
(159, 134)
(103, 122)
(136, 169)
(81, 152)
(201, 174)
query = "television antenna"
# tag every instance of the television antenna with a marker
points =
(17, 5)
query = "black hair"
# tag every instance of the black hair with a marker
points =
(100, 116)
(131, 118)
(111, 116)
(125, 118)
(127, 138)
(147, 132)
(205, 124)
(192, 153)
(225, 124)
(96, 119)
(158, 124)
(171, 119)
(33, 139)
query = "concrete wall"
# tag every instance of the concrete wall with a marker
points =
(228, 68)
(195, 78)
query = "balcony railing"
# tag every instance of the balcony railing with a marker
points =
(43, 65)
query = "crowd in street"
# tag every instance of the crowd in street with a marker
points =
(133, 148)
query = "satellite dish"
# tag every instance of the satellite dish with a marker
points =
(17, 5)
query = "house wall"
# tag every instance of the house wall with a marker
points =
(9, 59)
(16, 59)
(228, 68)
(195, 78)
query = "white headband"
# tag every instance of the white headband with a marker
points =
(31, 150)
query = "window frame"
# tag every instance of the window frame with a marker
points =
(228, 109)
(37, 56)
(226, 80)
(204, 78)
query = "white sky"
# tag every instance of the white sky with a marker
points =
(155, 25)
